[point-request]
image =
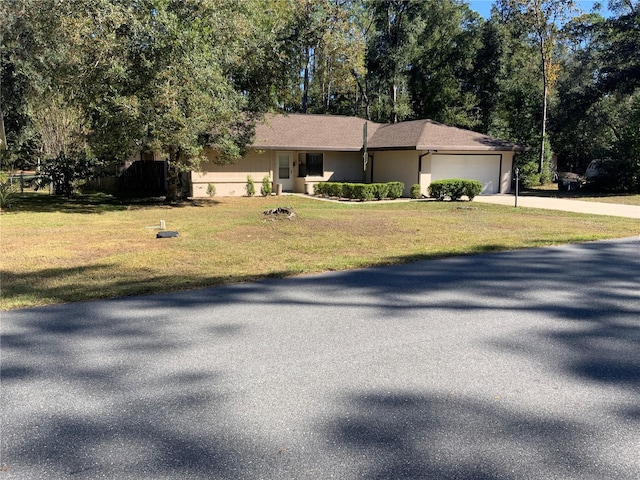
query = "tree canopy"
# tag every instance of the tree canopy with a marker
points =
(98, 79)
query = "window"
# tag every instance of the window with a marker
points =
(310, 164)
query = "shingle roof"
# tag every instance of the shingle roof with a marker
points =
(430, 135)
(311, 132)
(341, 133)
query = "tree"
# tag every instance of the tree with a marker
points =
(441, 75)
(596, 116)
(389, 49)
(543, 21)
(166, 75)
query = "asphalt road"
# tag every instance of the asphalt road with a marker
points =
(517, 365)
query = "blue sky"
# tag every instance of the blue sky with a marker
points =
(483, 7)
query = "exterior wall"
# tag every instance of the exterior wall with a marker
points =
(231, 180)
(337, 167)
(396, 166)
(403, 166)
(506, 174)
(425, 173)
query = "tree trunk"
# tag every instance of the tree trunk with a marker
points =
(545, 90)
(394, 103)
(305, 85)
(174, 183)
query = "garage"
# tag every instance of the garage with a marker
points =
(484, 168)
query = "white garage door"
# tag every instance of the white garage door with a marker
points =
(484, 168)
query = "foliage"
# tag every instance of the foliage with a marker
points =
(363, 192)
(359, 191)
(64, 173)
(395, 189)
(7, 190)
(596, 115)
(99, 79)
(266, 188)
(416, 192)
(250, 187)
(617, 175)
(380, 190)
(166, 76)
(211, 190)
(454, 189)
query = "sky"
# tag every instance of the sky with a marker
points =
(483, 7)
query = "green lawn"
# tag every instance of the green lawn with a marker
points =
(56, 251)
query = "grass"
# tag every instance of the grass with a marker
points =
(551, 190)
(55, 250)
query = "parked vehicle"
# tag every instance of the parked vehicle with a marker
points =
(570, 182)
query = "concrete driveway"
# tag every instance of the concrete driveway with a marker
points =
(515, 365)
(579, 206)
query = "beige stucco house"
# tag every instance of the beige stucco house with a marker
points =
(296, 151)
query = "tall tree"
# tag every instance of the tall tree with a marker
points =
(596, 115)
(441, 67)
(160, 74)
(390, 47)
(543, 20)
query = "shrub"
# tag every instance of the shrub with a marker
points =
(359, 191)
(615, 176)
(415, 191)
(266, 188)
(454, 189)
(362, 191)
(334, 189)
(347, 190)
(380, 190)
(250, 187)
(6, 190)
(211, 190)
(395, 189)
(472, 188)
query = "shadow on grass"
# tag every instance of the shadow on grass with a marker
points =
(93, 203)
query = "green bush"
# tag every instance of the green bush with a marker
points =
(472, 188)
(250, 187)
(359, 191)
(616, 176)
(362, 191)
(211, 190)
(454, 189)
(395, 189)
(7, 190)
(347, 190)
(266, 188)
(334, 189)
(380, 190)
(415, 191)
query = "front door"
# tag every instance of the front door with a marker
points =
(284, 170)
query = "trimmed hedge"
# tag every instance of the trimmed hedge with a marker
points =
(359, 191)
(454, 189)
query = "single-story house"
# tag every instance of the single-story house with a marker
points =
(296, 151)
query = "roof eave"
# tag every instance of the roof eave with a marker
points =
(306, 148)
(472, 148)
